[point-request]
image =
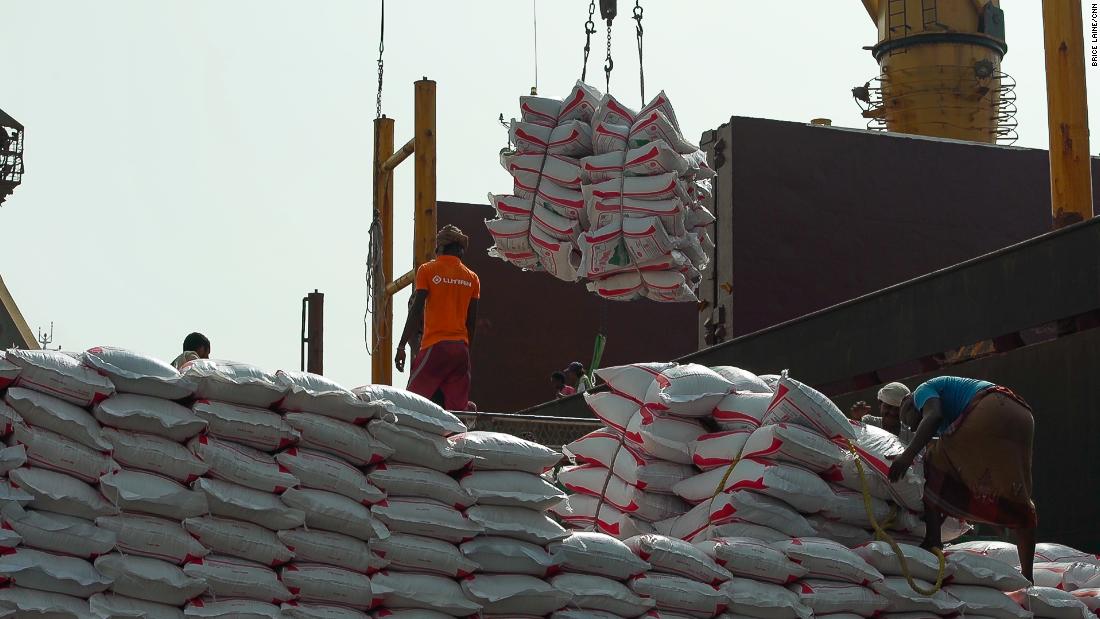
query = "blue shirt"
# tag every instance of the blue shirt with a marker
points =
(954, 393)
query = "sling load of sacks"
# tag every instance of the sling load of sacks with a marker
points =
(605, 194)
(760, 475)
(131, 490)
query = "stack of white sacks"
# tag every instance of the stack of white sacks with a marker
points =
(603, 193)
(266, 498)
(774, 495)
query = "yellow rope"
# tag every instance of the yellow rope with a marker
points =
(881, 534)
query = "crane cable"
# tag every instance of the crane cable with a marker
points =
(535, 27)
(375, 279)
(381, 48)
(589, 30)
(641, 71)
(881, 534)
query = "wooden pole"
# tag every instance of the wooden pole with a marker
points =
(424, 215)
(1067, 113)
(382, 327)
(315, 333)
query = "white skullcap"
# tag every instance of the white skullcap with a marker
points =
(893, 394)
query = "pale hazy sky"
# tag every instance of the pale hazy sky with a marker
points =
(202, 164)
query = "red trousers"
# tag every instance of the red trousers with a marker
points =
(443, 366)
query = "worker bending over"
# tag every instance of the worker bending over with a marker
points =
(445, 305)
(980, 468)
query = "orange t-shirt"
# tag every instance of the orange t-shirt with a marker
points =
(450, 287)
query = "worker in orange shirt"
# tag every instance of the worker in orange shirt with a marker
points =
(445, 304)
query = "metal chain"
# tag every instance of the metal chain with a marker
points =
(609, 64)
(589, 30)
(381, 48)
(641, 69)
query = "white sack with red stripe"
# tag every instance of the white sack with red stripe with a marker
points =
(255, 427)
(516, 522)
(514, 594)
(632, 380)
(1050, 603)
(596, 481)
(666, 438)
(58, 533)
(321, 471)
(674, 556)
(601, 594)
(827, 597)
(752, 558)
(399, 590)
(242, 465)
(52, 451)
(795, 444)
(609, 449)
(148, 536)
(417, 516)
(718, 449)
(980, 570)
(514, 488)
(742, 411)
(689, 390)
(876, 449)
(344, 440)
(794, 485)
(408, 480)
(903, 599)
(803, 405)
(759, 509)
(502, 555)
(497, 451)
(149, 579)
(763, 600)
(329, 511)
(237, 502)
(589, 513)
(56, 492)
(132, 372)
(329, 548)
(986, 602)
(155, 454)
(597, 554)
(55, 415)
(149, 415)
(921, 563)
(234, 382)
(44, 571)
(60, 375)
(313, 393)
(324, 584)
(680, 595)
(236, 538)
(146, 493)
(415, 553)
(828, 560)
(238, 578)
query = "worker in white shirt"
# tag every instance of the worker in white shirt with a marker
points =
(889, 406)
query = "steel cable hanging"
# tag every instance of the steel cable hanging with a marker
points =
(641, 71)
(589, 30)
(375, 277)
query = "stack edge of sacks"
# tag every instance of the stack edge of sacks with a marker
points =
(423, 509)
(330, 552)
(604, 193)
(597, 569)
(1066, 579)
(505, 480)
(625, 473)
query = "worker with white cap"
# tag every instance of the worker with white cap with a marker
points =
(890, 397)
